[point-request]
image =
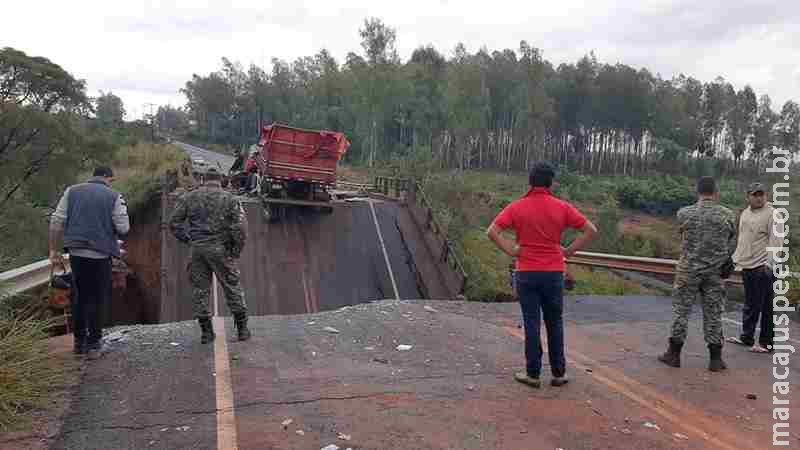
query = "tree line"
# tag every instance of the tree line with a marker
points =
(501, 109)
(51, 133)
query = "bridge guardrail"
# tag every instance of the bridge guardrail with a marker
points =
(21, 279)
(415, 194)
(449, 254)
(639, 264)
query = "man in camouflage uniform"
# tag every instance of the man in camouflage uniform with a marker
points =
(212, 221)
(708, 232)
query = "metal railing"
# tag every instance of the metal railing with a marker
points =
(641, 264)
(392, 186)
(448, 253)
(360, 187)
(19, 280)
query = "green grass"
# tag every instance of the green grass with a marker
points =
(589, 281)
(139, 170)
(28, 372)
(467, 202)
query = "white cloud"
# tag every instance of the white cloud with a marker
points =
(145, 51)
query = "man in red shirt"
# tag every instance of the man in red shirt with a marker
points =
(538, 219)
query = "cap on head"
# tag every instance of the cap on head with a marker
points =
(542, 175)
(752, 188)
(103, 171)
(706, 186)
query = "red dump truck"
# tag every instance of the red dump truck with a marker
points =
(291, 165)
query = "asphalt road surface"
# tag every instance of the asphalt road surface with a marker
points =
(307, 381)
(216, 160)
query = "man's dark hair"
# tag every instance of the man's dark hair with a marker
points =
(103, 171)
(542, 175)
(706, 186)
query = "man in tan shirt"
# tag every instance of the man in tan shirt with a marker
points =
(756, 233)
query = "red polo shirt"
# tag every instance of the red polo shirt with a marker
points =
(538, 219)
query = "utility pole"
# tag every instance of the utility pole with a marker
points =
(152, 121)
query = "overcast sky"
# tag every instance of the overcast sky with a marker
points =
(146, 51)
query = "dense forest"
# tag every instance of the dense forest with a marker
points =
(497, 109)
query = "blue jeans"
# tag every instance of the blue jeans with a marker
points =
(542, 294)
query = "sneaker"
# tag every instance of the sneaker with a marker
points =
(523, 378)
(559, 381)
(96, 351)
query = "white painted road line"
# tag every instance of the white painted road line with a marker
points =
(226, 416)
(383, 247)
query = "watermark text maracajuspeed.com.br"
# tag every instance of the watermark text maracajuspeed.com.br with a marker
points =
(782, 348)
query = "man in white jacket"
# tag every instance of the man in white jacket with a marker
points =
(756, 233)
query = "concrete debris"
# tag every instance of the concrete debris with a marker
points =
(174, 344)
(404, 347)
(331, 330)
(381, 360)
(344, 437)
(652, 425)
(311, 323)
(430, 309)
(369, 348)
(183, 428)
(164, 429)
(330, 447)
(286, 423)
(470, 387)
(681, 436)
(300, 432)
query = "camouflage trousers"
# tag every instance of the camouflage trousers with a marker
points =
(206, 260)
(711, 289)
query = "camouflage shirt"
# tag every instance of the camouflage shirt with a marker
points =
(210, 216)
(708, 236)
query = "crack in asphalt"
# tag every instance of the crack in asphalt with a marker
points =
(116, 427)
(256, 404)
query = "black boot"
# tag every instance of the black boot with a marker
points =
(208, 330)
(672, 357)
(716, 363)
(241, 326)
